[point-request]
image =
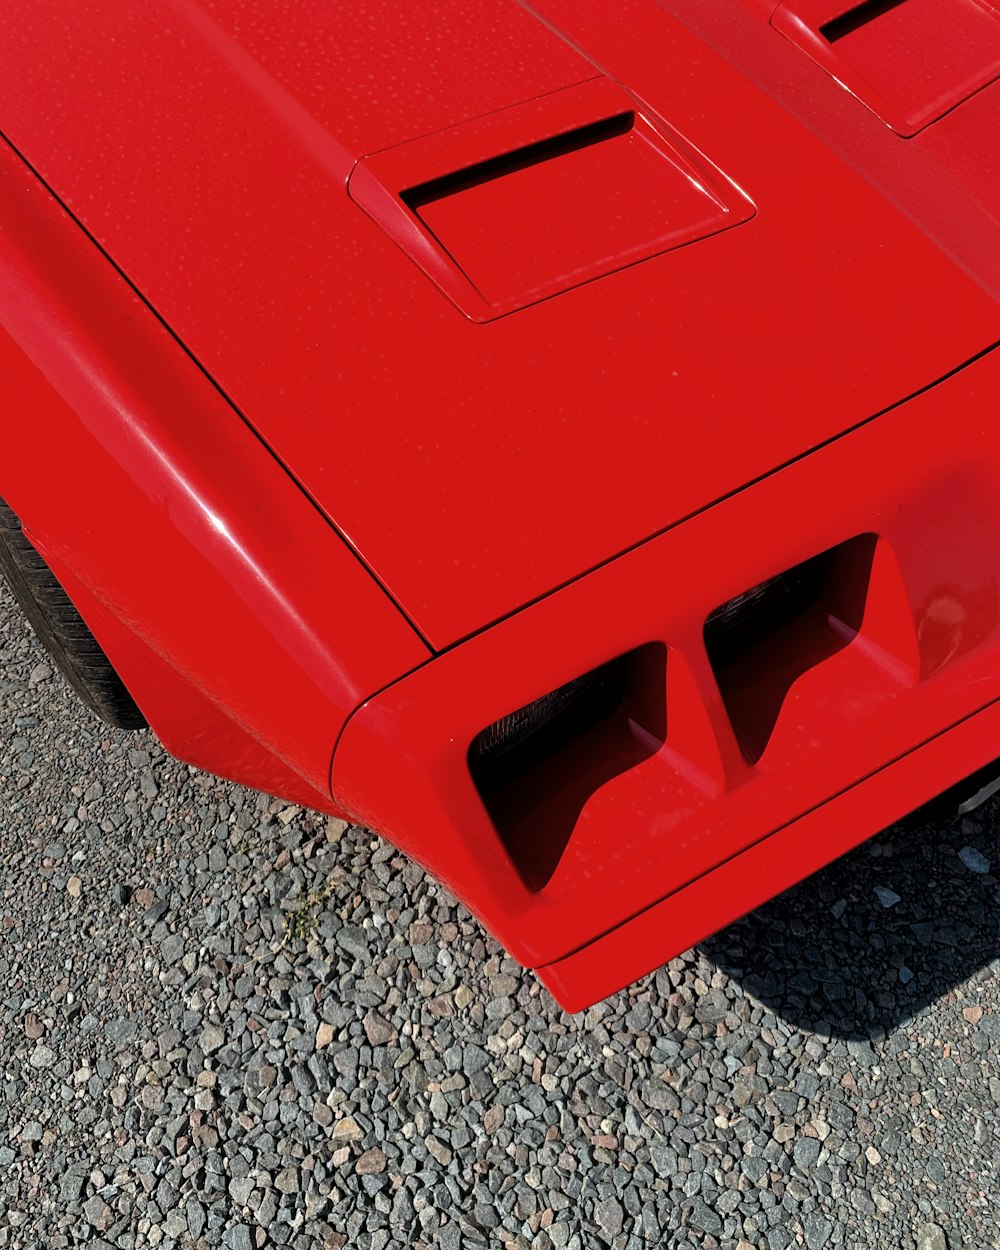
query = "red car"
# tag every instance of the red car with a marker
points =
(562, 438)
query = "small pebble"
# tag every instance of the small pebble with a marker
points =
(974, 860)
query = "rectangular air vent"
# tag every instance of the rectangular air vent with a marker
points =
(518, 206)
(763, 640)
(537, 768)
(909, 61)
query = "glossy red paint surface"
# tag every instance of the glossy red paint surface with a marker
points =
(521, 453)
(375, 370)
(143, 486)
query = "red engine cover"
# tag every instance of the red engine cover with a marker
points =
(477, 465)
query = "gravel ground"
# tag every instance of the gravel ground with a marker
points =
(227, 1022)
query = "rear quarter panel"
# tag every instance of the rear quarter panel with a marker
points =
(174, 524)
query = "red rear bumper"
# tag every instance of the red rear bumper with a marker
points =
(710, 791)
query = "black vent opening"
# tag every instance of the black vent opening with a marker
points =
(536, 767)
(847, 23)
(587, 136)
(761, 641)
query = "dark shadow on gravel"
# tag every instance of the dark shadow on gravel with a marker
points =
(831, 958)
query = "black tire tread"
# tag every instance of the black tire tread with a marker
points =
(61, 628)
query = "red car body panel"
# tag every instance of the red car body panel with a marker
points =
(144, 487)
(520, 453)
(373, 372)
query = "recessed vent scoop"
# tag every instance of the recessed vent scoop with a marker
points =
(518, 206)
(909, 61)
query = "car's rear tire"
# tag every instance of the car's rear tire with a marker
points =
(61, 629)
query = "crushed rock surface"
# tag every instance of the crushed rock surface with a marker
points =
(225, 1022)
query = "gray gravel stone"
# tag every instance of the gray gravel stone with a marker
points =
(974, 860)
(806, 1152)
(352, 939)
(238, 1237)
(121, 1031)
(818, 1229)
(932, 1237)
(287, 1181)
(610, 1217)
(240, 1189)
(42, 1057)
(371, 1162)
(212, 1039)
(71, 1185)
(195, 1214)
(98, 1212)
